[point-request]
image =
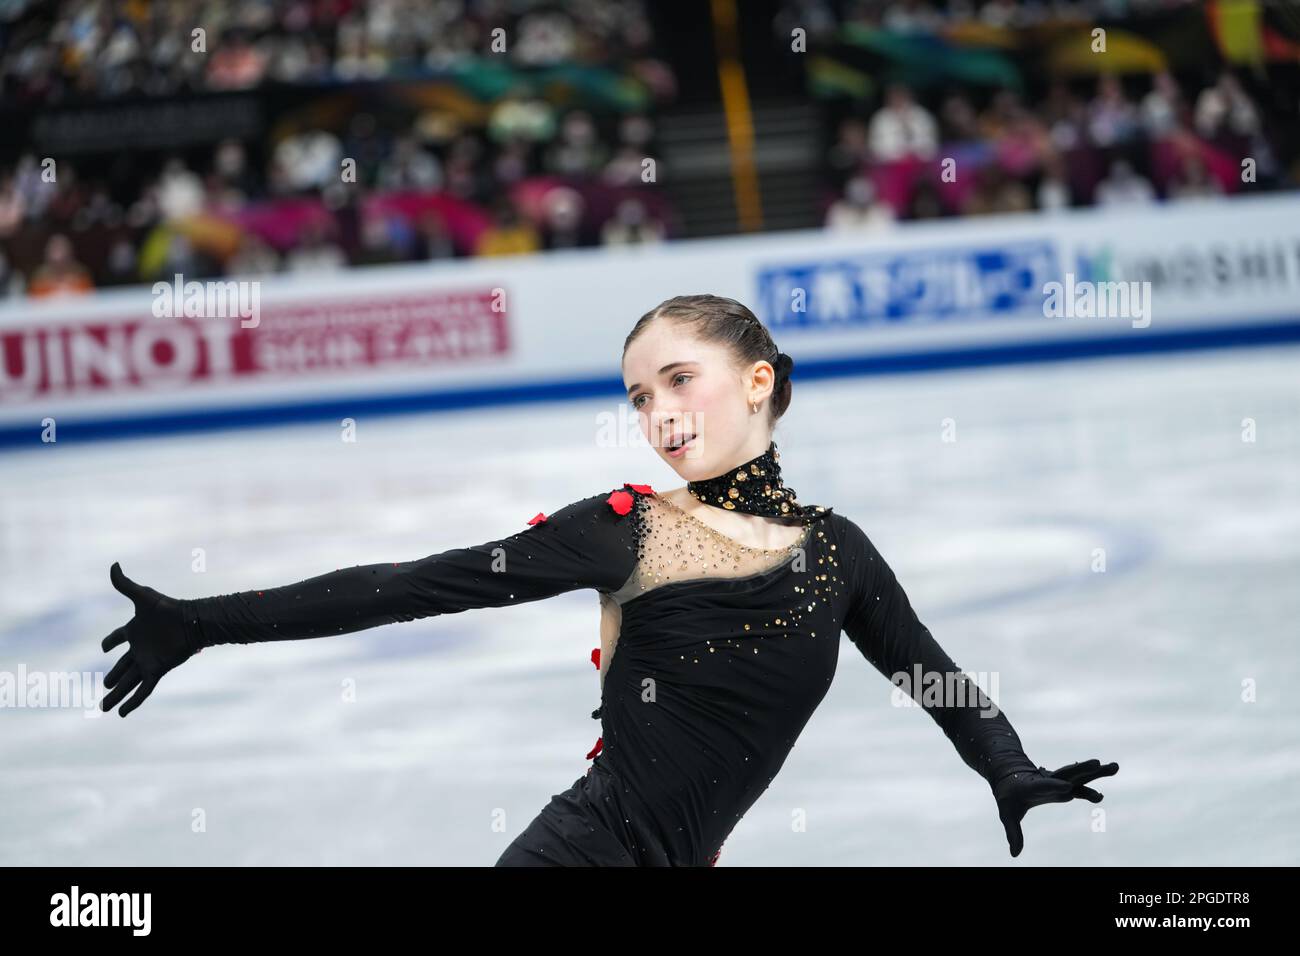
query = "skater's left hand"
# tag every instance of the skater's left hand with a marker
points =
(1018, 792)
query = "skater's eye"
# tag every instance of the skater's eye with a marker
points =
(636, 402)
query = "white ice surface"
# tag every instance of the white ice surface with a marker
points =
(464, 725)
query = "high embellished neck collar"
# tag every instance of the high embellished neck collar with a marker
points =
(754, 487)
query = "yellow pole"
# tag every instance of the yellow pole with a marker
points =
(740, 123)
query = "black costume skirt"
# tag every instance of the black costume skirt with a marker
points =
(574, 828)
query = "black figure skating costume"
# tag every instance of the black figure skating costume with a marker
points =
(722, 652)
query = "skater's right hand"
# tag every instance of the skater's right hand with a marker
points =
(158, 642)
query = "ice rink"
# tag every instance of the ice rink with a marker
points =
(436, 741)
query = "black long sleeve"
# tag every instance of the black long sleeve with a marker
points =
(883, 626)
(586, 544)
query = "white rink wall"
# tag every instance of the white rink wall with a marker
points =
(505, 330)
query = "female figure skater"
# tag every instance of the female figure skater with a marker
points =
(721, 609)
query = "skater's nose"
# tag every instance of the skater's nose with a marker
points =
(666, 422)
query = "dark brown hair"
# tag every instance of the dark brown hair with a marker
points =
(715, 318)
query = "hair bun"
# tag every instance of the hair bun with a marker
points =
(783, 364)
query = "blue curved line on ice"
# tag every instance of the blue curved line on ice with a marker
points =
(1126, 551)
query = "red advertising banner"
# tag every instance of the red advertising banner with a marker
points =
(282, 342)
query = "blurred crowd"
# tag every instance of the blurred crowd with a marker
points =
(225, 215)
(1120, 131)
(523, 174)
(1110, 148)
(71, 49)
(821, 18)
(529, 168)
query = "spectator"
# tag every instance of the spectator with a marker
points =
(1224, 110)
(316, 253)
(121, 264)
(308, 161)
(902, 128)
(995, 192)
(180, 192)
(925, 203)
(358, 57)
(851, 149)
(236, 64)
(636, 130)
(13, 207)
(1163, 107)
(545, 37)
(1054, 186)
(466, 178)
(513, 163)
(628, 167)
(578, 152)
(520, 115)
(631, 225)
(11, 280)
(1112, 119)
(1124, 187)
(508, 234)
(859, 210)
(1194, 181)
(60, 273)
(815, 17)
(180, 257)
(253, 257)
(1000, 13)
(410, 167)
(564, 210)
(432, 240)
(911, 16)
(959, 120)
(1066, 117)
(36, 189)
(377, 246)
(230, 166)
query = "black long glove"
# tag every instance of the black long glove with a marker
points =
(160, 638)
(1018, 792)
(586, 544)
(886, 629)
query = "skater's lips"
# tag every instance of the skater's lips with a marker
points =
(676, 441)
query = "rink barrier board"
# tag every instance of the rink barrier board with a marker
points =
(16, 436)
(927, 296)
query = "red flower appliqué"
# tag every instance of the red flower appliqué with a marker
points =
(600, 742)
(595, 657)
(537, 519)
(620, 501)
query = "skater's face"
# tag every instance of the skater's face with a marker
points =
(693, 403)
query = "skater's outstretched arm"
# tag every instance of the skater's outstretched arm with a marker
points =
(587, 544)
(884, 627)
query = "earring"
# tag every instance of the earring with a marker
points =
(754, 406)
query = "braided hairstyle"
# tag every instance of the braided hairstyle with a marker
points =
(715, 318)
